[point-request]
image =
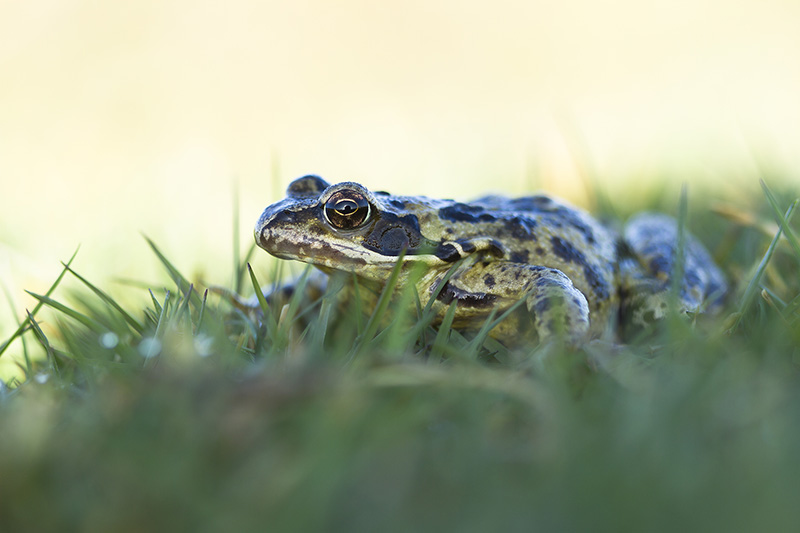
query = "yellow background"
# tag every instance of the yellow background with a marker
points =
(124, 117)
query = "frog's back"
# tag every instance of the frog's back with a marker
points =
(535, 230)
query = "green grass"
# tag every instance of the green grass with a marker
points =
(190, 415)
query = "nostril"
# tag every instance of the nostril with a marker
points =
(282, 216)
(270, 217)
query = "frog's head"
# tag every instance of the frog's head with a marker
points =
(344, 227)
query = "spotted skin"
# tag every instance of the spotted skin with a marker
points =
(573, 274)
(646, 274)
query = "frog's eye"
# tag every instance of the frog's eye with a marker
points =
(346, 209)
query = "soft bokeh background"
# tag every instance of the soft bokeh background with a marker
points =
(121, 118)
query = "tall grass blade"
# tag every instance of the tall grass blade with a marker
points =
(374, 321)
(42, 338)
(755, 281)
(132, 322)
(25, 354)
(426, 315)
(319, 326)
(202, 313)
(443, 335)
(489, 324)
(36, 309)
(267, 317)
(156, 305)
(153, 343)
(679, 264)
(783, 223)
(178, 278)
(75, 315)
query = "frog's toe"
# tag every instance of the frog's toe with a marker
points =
(647, 308)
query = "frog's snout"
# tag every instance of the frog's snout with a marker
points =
(272, 218)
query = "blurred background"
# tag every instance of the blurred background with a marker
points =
(123, 118)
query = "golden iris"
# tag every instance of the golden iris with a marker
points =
(346, 209)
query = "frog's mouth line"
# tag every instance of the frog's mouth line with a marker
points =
(340, 255)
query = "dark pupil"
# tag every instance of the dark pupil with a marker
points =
(346, 207)
(347, 210)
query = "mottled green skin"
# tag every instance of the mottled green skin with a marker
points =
(570, 269)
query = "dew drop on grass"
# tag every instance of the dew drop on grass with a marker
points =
(41, 378)
(203, 345)
(109, 340)
(149, 347)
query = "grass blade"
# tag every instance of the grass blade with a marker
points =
(183, 305)
(267, 317)
(42, 338)
(108, 300)
(28, 369)
(678, 265)
(442, 336)
(75, 315)
(426, 315)
(178, 278)
(22, 326)
(782, 220)
(156, 304)
(363, 340)
(202, 312)
(489, 325)
(319, 327)
(755, 281)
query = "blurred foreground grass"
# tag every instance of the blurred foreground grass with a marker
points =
(188, 415)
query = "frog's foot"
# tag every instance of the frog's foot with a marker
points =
(277, 296)
(245, 305)
(647, 277)
(559, 310)
(645, 301)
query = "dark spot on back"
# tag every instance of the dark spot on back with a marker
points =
(520, 256)
(573, 219)
(691, 278)
(536, 203)
(542, 305)
(459, 212)
(488, 279)
(547, 282)
(660, 265)
(521, 228)
(566, 251)
(596, 282)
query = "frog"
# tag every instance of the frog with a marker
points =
(561, 273)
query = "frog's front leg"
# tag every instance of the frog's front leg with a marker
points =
(557, 309)
(278, 294)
